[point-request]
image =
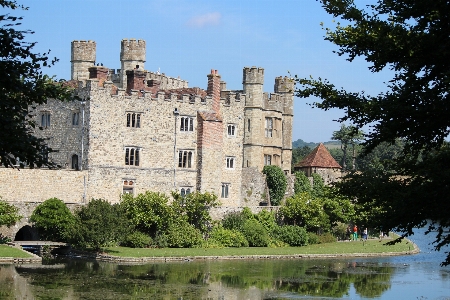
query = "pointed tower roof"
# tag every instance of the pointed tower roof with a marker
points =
(319, 157)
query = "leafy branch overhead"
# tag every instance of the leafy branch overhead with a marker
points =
(23, 85)
(409, 37)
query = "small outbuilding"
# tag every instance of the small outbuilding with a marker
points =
(321, 162)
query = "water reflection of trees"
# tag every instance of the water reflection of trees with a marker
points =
(192, 280)
(327, 280)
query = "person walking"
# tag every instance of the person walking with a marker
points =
(355, 233)
(365, 234)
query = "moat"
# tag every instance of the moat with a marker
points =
(402, 277)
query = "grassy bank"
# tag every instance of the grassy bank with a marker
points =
(370, 246)
(8, 251)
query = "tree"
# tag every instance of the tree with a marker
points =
(8, 214)
(195, 207)
(276, 181)
(23, 86)
(53, 220)
(301, 183)
(149, 212)
(348, 135)
(411, 38)
(100, 224)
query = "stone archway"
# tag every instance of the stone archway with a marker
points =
(27, 233)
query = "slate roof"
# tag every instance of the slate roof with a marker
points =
(319, 157)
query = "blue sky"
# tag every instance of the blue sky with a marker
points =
(188, 38)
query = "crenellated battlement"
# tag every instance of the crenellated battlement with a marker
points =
(284, 85)
(83, 51)
(132, 50)
(253, 75)
(167, 82)
(230, 97)
(273, 102)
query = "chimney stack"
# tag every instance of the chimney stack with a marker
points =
(214, 89)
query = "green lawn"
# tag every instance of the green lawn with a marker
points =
(371, 246)
(7, 251)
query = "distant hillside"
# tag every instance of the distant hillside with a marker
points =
(301, 143)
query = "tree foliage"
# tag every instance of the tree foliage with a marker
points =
(8, 214)
(23, 86)
(348, 136)
(100, 224)
(53, 220)
(302, 183)
(305, 211)
(276, 181)
(195, 207)
(410, 38)
(149, 212)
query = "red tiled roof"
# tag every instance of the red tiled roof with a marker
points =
(319, 157)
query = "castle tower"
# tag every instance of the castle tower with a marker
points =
(252, 81)
(285, 87)
(82, 58)
(132, 54)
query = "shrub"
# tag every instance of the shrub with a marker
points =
(195, 207)
(148, 212)
(53, 220)
(234, 221)
(228, 238)
(255, 233)
(8, 214)
(267, 219)
(302, 183)
(277, 244)
(100, 224)
(292, 235)
(183, 235)
(326, 238)
(318, 185)
(137, 239)
(313, 238)
(160, 240)
(340, 230)
(276, 181)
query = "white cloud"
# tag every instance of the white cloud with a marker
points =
(209, 19)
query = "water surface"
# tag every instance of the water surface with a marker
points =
(403, 277)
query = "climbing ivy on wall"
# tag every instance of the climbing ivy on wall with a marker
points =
(276, 181)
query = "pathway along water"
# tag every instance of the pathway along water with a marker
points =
(401, 277)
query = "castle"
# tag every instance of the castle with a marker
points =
(131, 130)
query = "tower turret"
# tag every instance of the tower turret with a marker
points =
(252, 81)
(285, 87)
(82, 58)
(132, 54)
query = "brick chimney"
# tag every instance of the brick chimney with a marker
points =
(136, 79)
(100, 73)
(214, 89)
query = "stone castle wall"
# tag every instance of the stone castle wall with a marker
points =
(102, 137)
(38, 185)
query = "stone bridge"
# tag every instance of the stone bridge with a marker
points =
(24, 230)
